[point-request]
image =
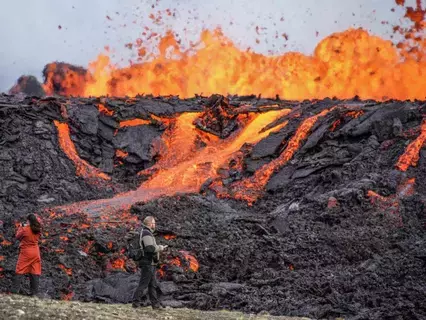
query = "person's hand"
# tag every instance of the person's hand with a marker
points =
(162, 248)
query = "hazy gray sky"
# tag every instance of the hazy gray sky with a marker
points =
(30, 35)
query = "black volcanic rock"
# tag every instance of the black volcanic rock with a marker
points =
(28, 85)
(290, 253)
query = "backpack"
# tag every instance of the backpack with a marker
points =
(135, 247)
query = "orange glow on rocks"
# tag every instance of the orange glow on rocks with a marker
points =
(68, 271)
(121, 154)
(4, 242)
(67, 296)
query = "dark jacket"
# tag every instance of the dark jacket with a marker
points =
(151, 249)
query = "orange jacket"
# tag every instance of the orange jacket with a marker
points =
(29, 260)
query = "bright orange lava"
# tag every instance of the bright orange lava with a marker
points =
(185, 170)
(343, 64)
(105, 110)
(133, 123)
(83, 168)
(118, 264)
(250, 189)
(412, 153)
(193, 263)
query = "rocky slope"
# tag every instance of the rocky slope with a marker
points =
(337, 227)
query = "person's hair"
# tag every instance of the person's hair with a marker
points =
(34, 223)
(148, 220)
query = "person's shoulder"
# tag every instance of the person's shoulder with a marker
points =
(146, 231)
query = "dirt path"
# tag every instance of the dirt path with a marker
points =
(21, 307)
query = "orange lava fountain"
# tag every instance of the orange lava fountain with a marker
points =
(343, 64)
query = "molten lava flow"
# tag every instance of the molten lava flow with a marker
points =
(412, 152)
(179, 141)
(68, 271)
(251, 188)
(190, 263)
(134, 122)
(183, 168)
(167, 237)
(195, 168)
(392, 203)
(83, 168)
(353, 114)
(343, 64)
(118, 264)
(193, 263)
(335, 124)
(104, 110)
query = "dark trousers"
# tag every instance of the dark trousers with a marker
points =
(34, 283)
(147, 285)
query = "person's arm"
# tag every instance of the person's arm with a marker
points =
(20, 233)
(150, 245)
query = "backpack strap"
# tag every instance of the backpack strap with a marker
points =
(141, 242)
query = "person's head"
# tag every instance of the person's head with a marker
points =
(149, 222)
(34, 223)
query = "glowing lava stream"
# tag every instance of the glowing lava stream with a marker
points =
(250, 189)
(184, 170)
(412, 154)
(83, 168)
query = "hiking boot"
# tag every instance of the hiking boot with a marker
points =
(136, 304)
(157, 306)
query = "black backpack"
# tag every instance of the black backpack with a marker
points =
(135, 247)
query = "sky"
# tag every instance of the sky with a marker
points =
(35, 33)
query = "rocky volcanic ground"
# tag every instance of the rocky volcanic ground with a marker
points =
(21, 307)
(339, 229)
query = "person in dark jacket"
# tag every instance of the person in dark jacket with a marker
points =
(29, 261)
(148, 281)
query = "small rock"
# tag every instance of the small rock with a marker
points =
(294, 207)
(20, 312)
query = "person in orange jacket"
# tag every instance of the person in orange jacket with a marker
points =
(29, 261)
